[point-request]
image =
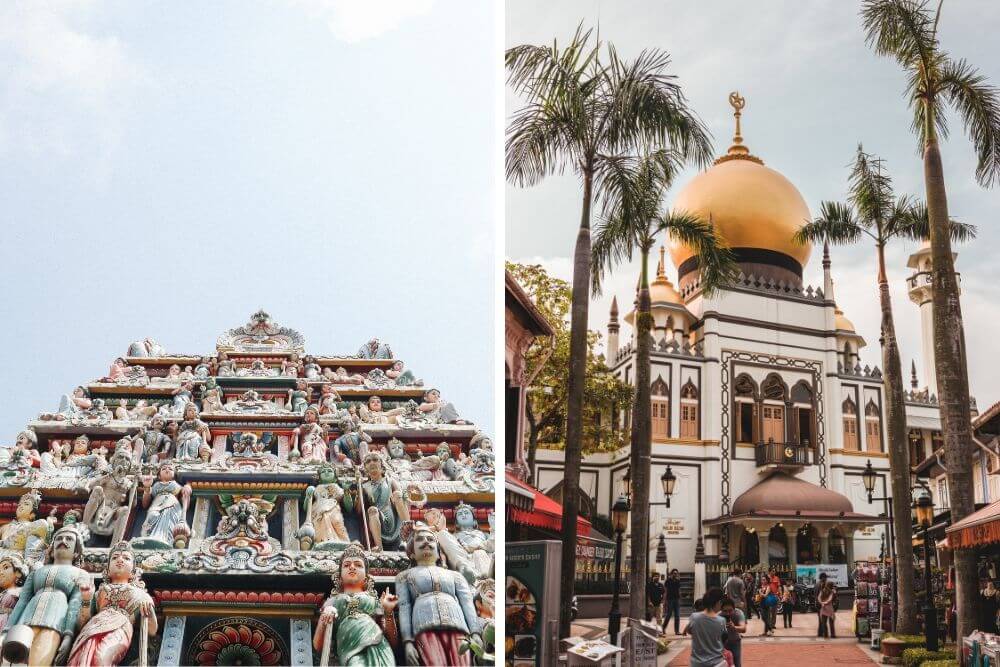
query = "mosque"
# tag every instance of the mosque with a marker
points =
(761, 405)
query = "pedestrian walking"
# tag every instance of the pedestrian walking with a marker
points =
(736, 625)
(735, 589)
(672, 602)
(708, 631)
(751, 591)
(768, 603)
(654, 598)
(787, 603)
(827, 614)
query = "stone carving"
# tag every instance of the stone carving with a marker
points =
(25, 450)
(438, 411)
(260, 334)
(290, 367)
(121, 600)
(154, 445)
(250, 402)
(182, 397)
(365, 624)
(25, 535)
(146, 348)
(310, 369)
(124, 375)
(373, 349)
(167, 502)
(324, 527)
(50, 603)
(340, 376)
(211, 398)
(203, 370)
(352, 444)
(226, 367)
(111, 496)
(436, 608)
(455, 554)
(173, 376)
(312, 437)
(328, 401)
(475, 542)
(372, 412)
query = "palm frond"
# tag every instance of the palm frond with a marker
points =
(539, 143)
(900, 29)
(870, 189)
(715, 259)
(913, 223)
(979, 105)
(615, 239)
(835, 224)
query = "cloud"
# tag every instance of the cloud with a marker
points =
(352, 21)
(63, 90)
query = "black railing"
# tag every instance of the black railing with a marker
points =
(781, 453)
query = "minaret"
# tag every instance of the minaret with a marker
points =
(913, 375)
(827, 275)
(921, 293)
(613, 332)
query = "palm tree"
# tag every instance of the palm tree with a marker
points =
(906, 30)
(633, 216)
(580, 111)
(873, 211)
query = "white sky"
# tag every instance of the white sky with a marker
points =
(813, 91)
(168, 168)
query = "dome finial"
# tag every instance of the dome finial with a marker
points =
(737, 102)
(738, 151)
(660, 271)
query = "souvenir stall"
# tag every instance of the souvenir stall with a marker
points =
(872, 597)
(256, 505)
(980, 532)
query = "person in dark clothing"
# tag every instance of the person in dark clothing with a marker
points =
(654, 598)
(673, 601)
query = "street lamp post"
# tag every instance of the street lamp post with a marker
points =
(619, 520)
(668, 480)
(869, 477)
(924, 506)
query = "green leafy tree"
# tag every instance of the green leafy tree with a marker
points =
(906, 31)
(579, 110)
(548, 362)
(633, 217)
(873, 213)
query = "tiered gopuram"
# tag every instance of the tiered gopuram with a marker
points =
(259, 506)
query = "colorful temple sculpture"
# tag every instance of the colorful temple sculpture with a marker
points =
(259, 506)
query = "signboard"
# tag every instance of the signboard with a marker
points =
(640, 645)
(531, 603)
(674, 527)
(808, 575)
(593, 652)
(592, 549)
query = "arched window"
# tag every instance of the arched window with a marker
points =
(773, 413)
(745, 408)
(689, 410)
(850, 425)
(802, 406)
(873, 428)
(837, 546)
(660, 404)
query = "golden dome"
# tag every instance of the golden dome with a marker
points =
(752, 206)
(840, 321)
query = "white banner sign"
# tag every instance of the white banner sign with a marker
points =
(808, 575)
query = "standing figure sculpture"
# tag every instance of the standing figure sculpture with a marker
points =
(25, 451)
(154, 443)
(49, 604)
(111, 496)
(298, 398)
(476, 543)
(211, 397)
(365, 625)
(328, 398)
(167, 501)
(326, 515)
(183, 396)
(26, 535)
(193, 437)
(352, 444)
(311, 370)
(387, 506)
(13, 573)
(309, 438)
(121, 600)
(436, 608)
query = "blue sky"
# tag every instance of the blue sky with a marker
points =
(813, 92)
(168, 168)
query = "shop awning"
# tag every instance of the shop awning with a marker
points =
(979, 528)
(517, 497)
(546, 514)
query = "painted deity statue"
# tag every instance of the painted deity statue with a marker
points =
(13, 573)
(326, 515)
(438, 411)
(25, 451)
(121, 412)
(310, 369)
(403, 377)
(399, 462)
(51, 599)
(352, 444)
(154, 442)
(309, 438)
(372, 413)
(476, 543)
(204, 369)
(373, 349)
(173, 376)
(211, 398)
(452, 551)
(436, 607)
(121, 600)
(387, 505)
(298, 398)
(82, 460)
(449, 468)
(166, 501)
(183, 396)
(328, 400)
(193, 437)
(146, 348)
(364, 622)
(226, 366)
(118, 371)
(52, 461)
(341, 376)
(143, 410)
(70, 405)
(106, 512)
(290, 367)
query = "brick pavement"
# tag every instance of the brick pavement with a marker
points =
(793, 653)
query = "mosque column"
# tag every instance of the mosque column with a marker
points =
(849, 548)
(762, 544)
(793, 547)
(824, 547)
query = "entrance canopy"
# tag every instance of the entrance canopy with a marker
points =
(979, 528)
(546, 513)
(782, 497)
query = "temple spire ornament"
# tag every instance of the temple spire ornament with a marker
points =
(738, 151)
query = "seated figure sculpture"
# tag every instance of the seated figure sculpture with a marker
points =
(373, 349)
(372, 412)
(165, 525)
(298, 398)
(25, 535)
(352, 444)
(193, 437)
(106, 512)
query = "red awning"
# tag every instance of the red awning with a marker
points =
(979, 528)
(547, 513)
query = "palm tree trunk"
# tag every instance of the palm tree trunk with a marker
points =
(952, 372)
(639, 460)
(574, 403)
(899, 457)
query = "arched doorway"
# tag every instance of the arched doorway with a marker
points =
(777, 546)
(807, 545)
(838, 547)
(749, 548)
